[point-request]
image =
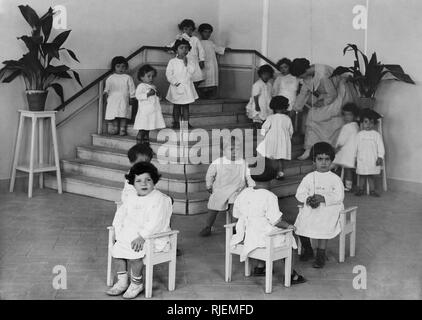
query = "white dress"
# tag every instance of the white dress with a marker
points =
(346, 141)
(278, 130)
(177, 72)
(324, 221)
(227, 178)
(286, 86)
(369, 148)
(149, 116)
(211, 66)
(141, 216)
(119, 88)
(258, 213)
(264, 91)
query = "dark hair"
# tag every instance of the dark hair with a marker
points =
(322, 148)
(266, 68)
(283, 61)
(299, 66)
(369, 114)
(118, 60)
(179, 42)
(145, 69)
(205, 26)
(140, 168)
(351, 107)
(279, 103)
(187, 23)
(137, 149)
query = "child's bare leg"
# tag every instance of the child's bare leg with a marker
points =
(123, 122)
(136, 281)
(362, 183)
(212, 215)
(113, 126)
(279, 168)
(348, 178)
(122, 278)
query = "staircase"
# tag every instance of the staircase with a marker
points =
(98, 169)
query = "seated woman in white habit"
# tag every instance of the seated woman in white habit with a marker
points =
(258, 214)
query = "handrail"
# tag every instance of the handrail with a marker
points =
(134, 54)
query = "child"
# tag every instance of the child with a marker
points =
(141, 215)
(258, 214)
(369, 151)
(346, 143)
(119, 88)
(278, 130)
(208, 88)
(322, 194)
(258, 107)
(225, 177)
(285, 84)
(149, 116)
(197, 53)
(181, 90)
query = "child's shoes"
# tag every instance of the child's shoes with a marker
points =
(375, 194)
(120, 286)
(206, 232)
(308, 253)
(280, 175)
(123, 132)
(133, 291)
(359, 193)
(320, 259)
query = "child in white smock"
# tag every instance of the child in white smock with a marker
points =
(149, 116)
(285, 84)
(322, 194)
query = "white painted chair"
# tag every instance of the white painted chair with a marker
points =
(269, 254)
(150, 260)
(348, 226)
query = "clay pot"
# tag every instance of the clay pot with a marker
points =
(36, 99)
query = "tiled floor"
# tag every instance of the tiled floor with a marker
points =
(50, 229)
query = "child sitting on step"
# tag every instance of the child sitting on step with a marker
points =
(369, 152)
(258, 108)
(141, 215)
(346, 143)
(225, 178)
(119, 89)
(258, 214)
(278, 131)
(322, 194)
(181, 91)
(149, 116)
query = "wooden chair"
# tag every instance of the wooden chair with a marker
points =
(348, 226)
(267, 254)
(151, 259)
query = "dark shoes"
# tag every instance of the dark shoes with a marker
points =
(375, 194)
(206, 232)
(320, 259)
(307, 254)
(359, 193)
(296, 278)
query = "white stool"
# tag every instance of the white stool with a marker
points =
(40, 167)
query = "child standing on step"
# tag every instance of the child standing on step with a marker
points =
(369, 151)
(346, 143)
(258, 108)
(141, 215)
(181, 91)
(278, 131)
(119, 89)
(285, 84)
(208, 88)
(149, 116)
(322, 194)
(225, 178)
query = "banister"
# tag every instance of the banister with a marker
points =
(134, 54)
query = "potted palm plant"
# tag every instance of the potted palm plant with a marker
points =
(367, 79)
(35, 66)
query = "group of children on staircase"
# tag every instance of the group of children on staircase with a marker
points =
(193, 70)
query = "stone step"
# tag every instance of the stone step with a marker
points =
(210, 118)
(215, 106)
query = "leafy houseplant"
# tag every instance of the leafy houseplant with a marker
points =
(367, 79)
(35, 66)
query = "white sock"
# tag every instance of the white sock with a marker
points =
(348, 184)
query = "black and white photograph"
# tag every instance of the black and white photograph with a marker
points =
(210, 154)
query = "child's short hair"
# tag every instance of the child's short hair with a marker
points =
(205, 26)
(283, 61)
(179, 42)
(140, 168)
(322, 148)
(137, 149)
(266, 68)
(118, 60)
(351, 107)
(279, 103)
(145, 69)
(187, 23)
(369, 114)
(299, 66)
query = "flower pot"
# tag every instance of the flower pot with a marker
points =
(364, 102)
(36, 99)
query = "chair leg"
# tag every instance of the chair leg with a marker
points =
(384, 179)
(247, 268)
(299, 246)
(342, 248)
(288, 269)
(172, 275)
(148, 279)
(229, 261)
(268, 276)
(109, 269)
(353, 234)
